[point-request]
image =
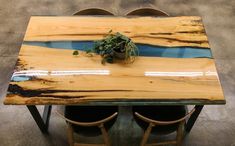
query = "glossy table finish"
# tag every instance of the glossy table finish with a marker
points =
(174, 66)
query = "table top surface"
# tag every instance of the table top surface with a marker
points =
(174, 66)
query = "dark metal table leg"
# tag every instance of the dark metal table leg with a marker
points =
(193, 118)
(42, 121)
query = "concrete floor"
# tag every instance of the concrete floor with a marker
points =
(216, 124)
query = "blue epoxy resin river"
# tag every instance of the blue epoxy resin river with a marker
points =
(144, 50)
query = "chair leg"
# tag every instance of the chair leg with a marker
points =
(70, 135)
(146, 134)
(105, 134)
(180, 134)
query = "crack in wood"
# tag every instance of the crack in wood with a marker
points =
(17, 90)
(174, 39)
(20, 65)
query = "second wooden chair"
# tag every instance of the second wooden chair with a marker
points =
(161, 120)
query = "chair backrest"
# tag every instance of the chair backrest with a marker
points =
(70, 112)
(88, 124)
(152, 123)
(86, 120)
(147, 12)
(156, 122)
(93, 11)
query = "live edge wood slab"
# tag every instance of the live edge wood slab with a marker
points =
(175, 65)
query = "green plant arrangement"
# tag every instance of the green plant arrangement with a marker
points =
(114, 47)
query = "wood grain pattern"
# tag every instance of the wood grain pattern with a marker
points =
(47, 75)
(148, 78)
(171, 32)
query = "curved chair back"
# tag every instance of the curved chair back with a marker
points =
(147, 12)
(93, 11)
(157, 122)
(177, 123)
(89, 121)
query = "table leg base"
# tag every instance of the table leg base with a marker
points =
(193, 118)
(42, 121)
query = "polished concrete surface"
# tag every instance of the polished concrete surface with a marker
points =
(216, 124)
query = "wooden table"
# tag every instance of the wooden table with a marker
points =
(174, 67)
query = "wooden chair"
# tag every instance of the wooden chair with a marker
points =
(161, 120)
(93, 11)
(89, 121)
(147, 12)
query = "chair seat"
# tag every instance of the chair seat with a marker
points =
(90, 114)
(160, 113)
